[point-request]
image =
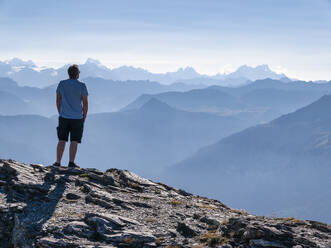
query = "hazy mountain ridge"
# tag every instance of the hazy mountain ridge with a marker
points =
(27, 73)
(153, 134)
(164, 127)
(290, 154)
(260, 101)
(105, 95)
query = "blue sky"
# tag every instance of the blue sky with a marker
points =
(292, 36)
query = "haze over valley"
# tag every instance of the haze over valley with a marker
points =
(253, 138)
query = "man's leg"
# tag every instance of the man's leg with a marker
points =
(73, 151)
(59, 151)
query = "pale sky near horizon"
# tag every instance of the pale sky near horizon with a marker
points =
(212, 36)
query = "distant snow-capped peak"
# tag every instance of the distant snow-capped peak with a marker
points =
(16, 62)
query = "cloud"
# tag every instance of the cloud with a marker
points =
(228, 68)
(280, 69)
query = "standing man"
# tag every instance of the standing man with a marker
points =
(72, 105)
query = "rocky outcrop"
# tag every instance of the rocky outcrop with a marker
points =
(51, 207)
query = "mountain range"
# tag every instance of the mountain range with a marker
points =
(276, 168)
(27, 73)
(154, 134)
(105, 95)
(283, 165)
(259, 101)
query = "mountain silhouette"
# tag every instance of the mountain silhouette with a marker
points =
(105, 95)
(291, 153)
(156, 133)
(197, 99)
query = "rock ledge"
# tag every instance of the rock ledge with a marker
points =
(51, 207)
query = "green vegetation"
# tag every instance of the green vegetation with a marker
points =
(129, 240)
(208, 206)
(176, 203)
(292, 220)
(150, 220)
(213, 239)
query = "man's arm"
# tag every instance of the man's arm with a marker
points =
(85, 106)
(58, 102)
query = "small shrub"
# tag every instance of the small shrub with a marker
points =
(240, 211)
(176, 203)
(150, 220)
(129, 240)
(292, 220)
(212, 239)
(134, 186)
(208, 206)
(232, 234)
(225, 222)
(159, 241)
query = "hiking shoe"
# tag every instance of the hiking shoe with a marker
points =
(56, 164)
(72, 165)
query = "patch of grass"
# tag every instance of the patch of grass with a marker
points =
(84, 175)
(176, 203)
(52, 220)
(150, 220)
(134, 186)
(292, 220)
(145, 197)
(129, 240)
(159, 241)
(65, 200)
(208, 206)
(240, 211)
(319, 223)
(225, 222)
(84, 189)
(213, 239)
(67, 213)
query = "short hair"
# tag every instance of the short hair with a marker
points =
(73, 71)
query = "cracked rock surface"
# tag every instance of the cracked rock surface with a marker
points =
(51, 207)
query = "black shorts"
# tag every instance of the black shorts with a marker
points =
(73, 126)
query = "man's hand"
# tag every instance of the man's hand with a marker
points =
(58, 102)
(85, 107)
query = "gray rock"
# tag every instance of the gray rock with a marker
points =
(72, 196)
(49, 242)
(265, 243)
(131, 238)
(60, 207)
(210, 221)
(78, 228)
(103, 224)
(185, 230)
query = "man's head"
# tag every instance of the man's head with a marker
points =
(73, 72)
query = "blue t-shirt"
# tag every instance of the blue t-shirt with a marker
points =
(71, 92)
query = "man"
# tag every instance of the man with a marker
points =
(72, 105)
